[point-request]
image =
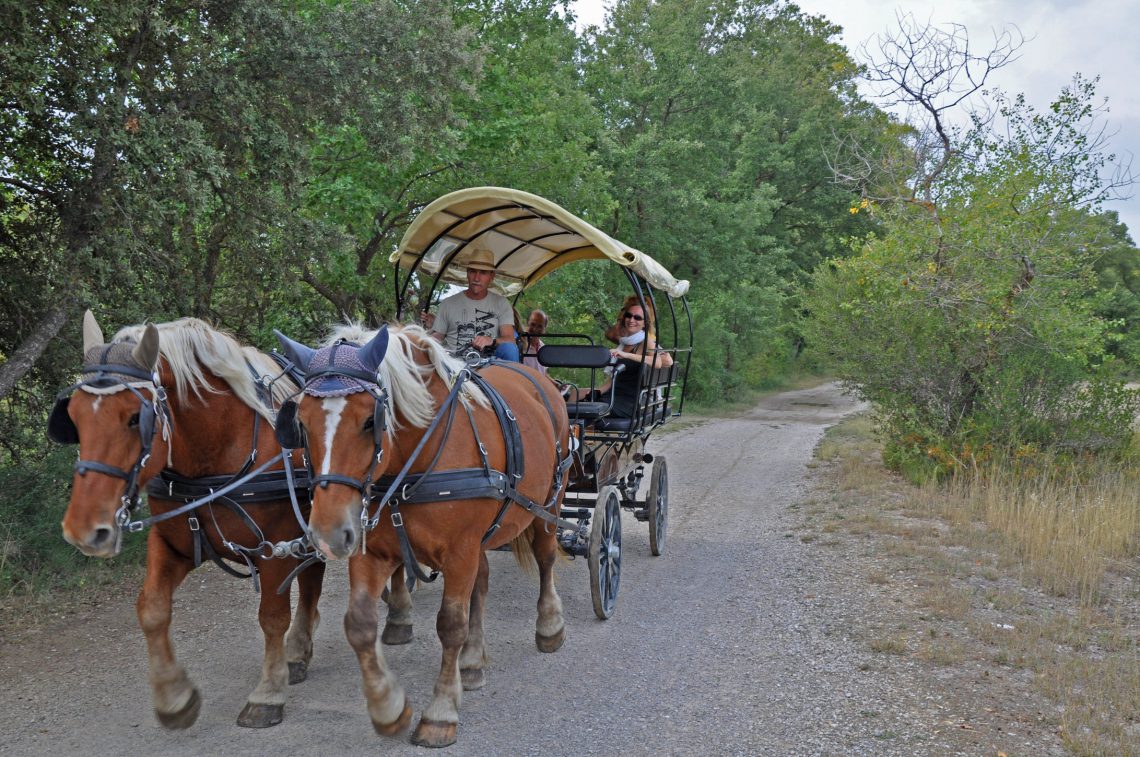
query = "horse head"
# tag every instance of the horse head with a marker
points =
(340, 418)
(114, 413)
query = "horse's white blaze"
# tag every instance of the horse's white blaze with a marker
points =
(95, 405)
(333, 406)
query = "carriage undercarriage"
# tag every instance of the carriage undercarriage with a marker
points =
(609, 475)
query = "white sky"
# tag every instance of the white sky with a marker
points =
(1098, 38)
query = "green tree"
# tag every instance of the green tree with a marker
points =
(1118, 282)
(721, 116)
(970, 318)
(523, 122)
(155, 154)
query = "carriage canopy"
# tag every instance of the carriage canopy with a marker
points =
(529, 236)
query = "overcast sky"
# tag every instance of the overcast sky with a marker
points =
(1100, 38)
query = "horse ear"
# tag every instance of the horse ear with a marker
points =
(298, 354)
(145, 352)
(372, 354)
(92, 334)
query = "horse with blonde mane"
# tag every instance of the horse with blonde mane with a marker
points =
(185, 407)
(397, 414)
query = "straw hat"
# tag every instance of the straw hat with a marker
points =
(481, 259)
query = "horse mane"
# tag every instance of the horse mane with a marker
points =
(191, 347)
(405, 378)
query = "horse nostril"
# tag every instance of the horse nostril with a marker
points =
(102, 536)
(349, 539)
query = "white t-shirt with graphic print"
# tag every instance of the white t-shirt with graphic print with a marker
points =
(461, 319)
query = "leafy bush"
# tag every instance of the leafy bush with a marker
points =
(971, 320)
(34, 556)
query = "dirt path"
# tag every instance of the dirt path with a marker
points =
(730, 643)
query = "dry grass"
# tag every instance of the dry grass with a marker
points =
(894, 643)
(1036, 573)
(1067, 531)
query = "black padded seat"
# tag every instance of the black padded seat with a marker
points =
(578, 356)
(586, 411)
(614, 423)
(574, 356)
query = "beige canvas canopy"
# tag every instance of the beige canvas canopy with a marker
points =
(528, 235)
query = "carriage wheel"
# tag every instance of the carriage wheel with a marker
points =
(657, 505)
(605, 551)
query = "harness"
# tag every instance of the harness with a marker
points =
(246, 486)
(430, 485)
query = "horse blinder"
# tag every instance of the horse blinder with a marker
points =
(288, 429)
(147, 418)
(60, 428)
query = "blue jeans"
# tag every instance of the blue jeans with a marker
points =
(508, 351)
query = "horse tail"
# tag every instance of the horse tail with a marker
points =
(522, 547)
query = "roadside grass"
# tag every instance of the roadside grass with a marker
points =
(1035, 570)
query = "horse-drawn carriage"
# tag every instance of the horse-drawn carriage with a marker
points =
(532, 238)
(181, 411)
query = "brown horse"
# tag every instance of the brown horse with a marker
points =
(212, 425)
(370, 411)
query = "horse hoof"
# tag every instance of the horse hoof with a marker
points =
(434, 734)
(395, 634)
(401, 723)
(184, 718)
(260, 715)
(473, 678)
(298, 672)
(550, 643)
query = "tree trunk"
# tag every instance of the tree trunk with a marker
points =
(29, 352)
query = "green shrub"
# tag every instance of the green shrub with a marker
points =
(34, 557)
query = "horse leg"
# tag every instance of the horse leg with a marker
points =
(265, 707)
(439, 721)
(387, 704)
(550, 627)
(299, 639)
(474, 654)
(176, 699)
(398, 625)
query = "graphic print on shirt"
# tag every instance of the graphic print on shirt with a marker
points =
(484, 323)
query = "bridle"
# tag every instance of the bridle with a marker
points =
(107, 376)
(291, 436)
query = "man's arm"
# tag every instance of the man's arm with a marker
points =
(506, 333)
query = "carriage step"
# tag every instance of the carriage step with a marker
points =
(642, 514)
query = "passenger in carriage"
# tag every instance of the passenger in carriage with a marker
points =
(477, 318)
(536, 326)
(634, 335)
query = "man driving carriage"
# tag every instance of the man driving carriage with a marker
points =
(477, 318)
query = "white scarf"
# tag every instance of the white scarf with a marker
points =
(628, 341)
(632, 339)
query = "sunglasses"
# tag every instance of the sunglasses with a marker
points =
(634, 316)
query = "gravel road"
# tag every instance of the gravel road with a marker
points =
(724, 645)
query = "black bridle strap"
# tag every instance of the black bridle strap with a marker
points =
(157, 409)
(139, 525)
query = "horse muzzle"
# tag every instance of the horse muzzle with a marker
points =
(104, 540)
(339, 541)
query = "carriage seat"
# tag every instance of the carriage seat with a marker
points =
(641, 397)
(578, 356)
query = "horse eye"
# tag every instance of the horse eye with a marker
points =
(369, 424)
(133, 422)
